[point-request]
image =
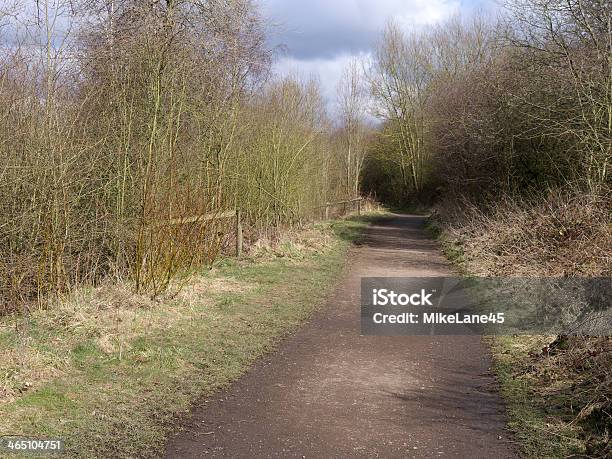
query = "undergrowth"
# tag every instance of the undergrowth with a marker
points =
(558, 389)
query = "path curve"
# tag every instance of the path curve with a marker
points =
(328, 392)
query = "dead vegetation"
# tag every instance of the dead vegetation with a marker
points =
(114, 316)
(568, 378)
(580, 373)
(108, 369)
(565, 234)
(558, 393)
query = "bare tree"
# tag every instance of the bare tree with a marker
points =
(565, 50)
(399, 79)
(352, 104)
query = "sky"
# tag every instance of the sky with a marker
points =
(320, 37)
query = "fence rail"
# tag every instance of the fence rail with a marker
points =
(201, 218)
(344, 203)
(208, 217)
(238, 226)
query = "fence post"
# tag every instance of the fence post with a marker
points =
(344, 208)
(238, 234)
(359, 207)
(327, 211)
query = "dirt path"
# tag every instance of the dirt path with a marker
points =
(329, 392)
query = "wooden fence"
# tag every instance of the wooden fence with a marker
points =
(214, 216)
(356, 202)
(352, 202)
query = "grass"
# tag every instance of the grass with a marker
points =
(109, 371)
(534, 419)
(452, 248)
(415, 208)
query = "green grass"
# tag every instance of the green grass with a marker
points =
(110, 372)
(452, 249)
(533, 418)
(411, 207)
(351, 229)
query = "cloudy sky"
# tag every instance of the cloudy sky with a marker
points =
(321, 35)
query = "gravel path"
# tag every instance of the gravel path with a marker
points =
(328, 392)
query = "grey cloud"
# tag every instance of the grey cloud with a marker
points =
(327, 28)
(321, 42)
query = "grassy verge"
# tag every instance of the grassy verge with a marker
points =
(108, 371)
(539, 421)
(557, 392)
(450, 247)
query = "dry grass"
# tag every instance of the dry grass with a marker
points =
(291, 244)
(565, 235)
(108, 370)
(581, 372)
(558, 393)
(305, 239)
(564, 382)
(113, 315)
(23, 369)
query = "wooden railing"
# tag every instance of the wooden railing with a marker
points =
(352, 202)
(213, 216)
(238, 221)
(201, 218)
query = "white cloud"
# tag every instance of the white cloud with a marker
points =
(327, 70)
